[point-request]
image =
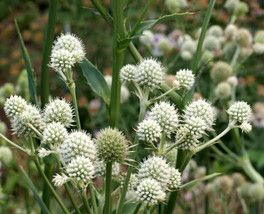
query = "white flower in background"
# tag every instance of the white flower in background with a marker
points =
(185, 78)
(202, 109)
(78, 143)
(155, 168)
(30, 115)
(230, 31)
(124, 94)
(175, 179)
(54, 133)
(211, 43)
(147, 38)
(215, 31)
(240, 112)
(6, 155)
(233, 81)
(258, 48)
(150, 73)
(60, 111)
(149, 130)
(230, 5)
(127, 73)
(59, 180)
(166, 115)
(164, 45)
(14, 105)
(243, 37)
(81, 169)
(221, 71)
(175, 6)
(150, 192)
(223, 90)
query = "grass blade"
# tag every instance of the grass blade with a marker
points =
(31, 80)
(43, 207)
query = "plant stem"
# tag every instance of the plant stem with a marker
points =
(136, 211)
(85, 202)
(92, 193)
(118, 57)
(36, 161)
(71, 87)
(162, 142)
(48, 40)
(108, 189)
(35, 130)
(15, 145)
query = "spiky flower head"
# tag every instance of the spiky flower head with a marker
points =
(243, 37)
(215, 31)
(259, 37)
(156, 168)
(149, 73)
(147, 37)
(241, 9)
(246, 127)
(203, 109)
(175, 6)
(186, 55)
(223, 90)
(60, 111)
(150, 192)
(229, 50)
(175, 179)
(221, 71)
(196, 126)
(100, 169)
(224, 184)
(54, 133)
(149, 130)
(164, 45)
(230, 31)
(6, 155)
(59, 180)
(238, 179)
(127, 73)
(189, 142)
(211, 43)
(71, 43)
(81, 169)
(14, 105)
(185, 78)
(233, 81)
(30, 115)
(240, 112)
(61, 60)
(111, 146)
(78, 143)
(230, 5)
(166, 115)
(188, 45)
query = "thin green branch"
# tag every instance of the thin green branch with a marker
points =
(15, 145)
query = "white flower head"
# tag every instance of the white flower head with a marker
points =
(166, 115)
(14, 105)
(215, 31)
(149, 73)
(149, 131)
(185, 78)
(6, 155)
(54, 133)
(78, 143)
(150, 192)
(196, 126)
(155, 168)
(81, 170)
(42, 152)
(246, 127)
(58, 110)
(175, 178)
(62, 60)
(30, 115)
(211, 43)
(258, 48)
(202, 109)
(190, 142)
(240, 112)
(127, 73)
(59, 180)
(233, 81)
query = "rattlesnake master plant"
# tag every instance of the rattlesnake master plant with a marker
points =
(172, 125)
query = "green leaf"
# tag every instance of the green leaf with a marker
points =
(96, 80)
(31, 80)
(198, 180)
(43, 207)
(151, 23)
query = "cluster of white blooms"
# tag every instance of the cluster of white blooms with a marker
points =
(54, 133)
(14, 106)
(166, 115)
(185, 78)
(149, 130)
(188, 48)
(150, 192)
(149, 73)
(67, 50)
(78, 143)
(175, 179)
(81, 169)
(127, 73)
(189, 142)
(239, 112)
(211, 43)
(258, 46)
(195, 126)
(58, 110)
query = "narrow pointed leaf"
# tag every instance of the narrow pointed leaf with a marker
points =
(43, 207)
(96, 80)
(198, 180)
(30, 74)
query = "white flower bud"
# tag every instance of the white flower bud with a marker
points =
(215, 31)
(127, 73)
(196, 126)
(175, 179)
(176, 84)
(149, 131)
(54, 133)
(223, 90)
(246, 127)
(59, 180)
(61, 60)
(42, 152)
(14, 105)
(240, 112)
(6, 155)
(211, 43)
(185, 78)
(230, 31)
(233, 81)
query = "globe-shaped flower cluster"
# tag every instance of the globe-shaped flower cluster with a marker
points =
(185, 78)
(149, 130)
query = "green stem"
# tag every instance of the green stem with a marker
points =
(15, 145)
(48, 40)
(162, 142)
(118, 57)
(85, 201)
(108, 189)
(49, 186)
(93, 198)
(136, 211)
(71, 87)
